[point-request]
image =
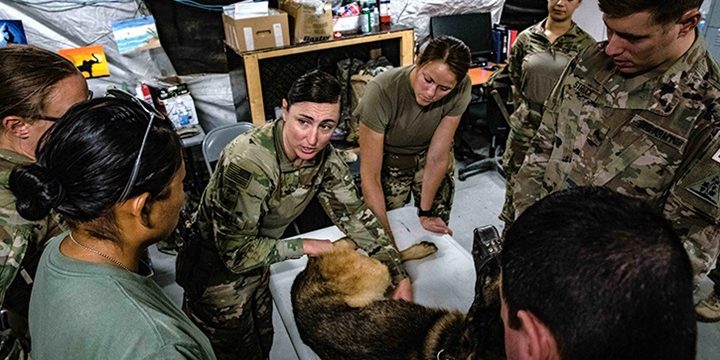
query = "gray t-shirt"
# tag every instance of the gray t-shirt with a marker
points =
(80, 310)
(388, 106)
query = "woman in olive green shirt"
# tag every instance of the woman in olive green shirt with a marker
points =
(408, 117)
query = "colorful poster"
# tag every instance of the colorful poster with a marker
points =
(135, 34)
(90, 60)
(12, 32)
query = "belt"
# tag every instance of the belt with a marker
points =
(403, 161)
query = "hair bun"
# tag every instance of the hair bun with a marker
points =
(36, 191)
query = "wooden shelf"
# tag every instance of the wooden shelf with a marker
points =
(251, 60)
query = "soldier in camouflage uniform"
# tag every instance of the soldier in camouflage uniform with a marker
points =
(538, 58)
(36, 87)
(640, 120)
(264, 179)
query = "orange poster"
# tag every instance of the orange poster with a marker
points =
(90, 60)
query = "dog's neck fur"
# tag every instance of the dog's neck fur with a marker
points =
(449, 329)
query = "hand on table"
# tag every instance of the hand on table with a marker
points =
(435, 224)
(313, 247)
(403, 291)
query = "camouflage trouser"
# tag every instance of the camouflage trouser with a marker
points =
(524, 123)
(236, 315)
(399, 182)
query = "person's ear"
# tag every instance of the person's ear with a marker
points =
(16, 126)
(688, 21)
(285, 108)
(539, 341)
(139, 207)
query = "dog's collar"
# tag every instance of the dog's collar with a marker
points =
(440, 352)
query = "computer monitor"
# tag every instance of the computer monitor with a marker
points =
(473, 29)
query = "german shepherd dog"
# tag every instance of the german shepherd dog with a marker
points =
(341, 311)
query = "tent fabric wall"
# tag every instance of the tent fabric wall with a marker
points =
(55, 30)
(91, 24)
(417, 13)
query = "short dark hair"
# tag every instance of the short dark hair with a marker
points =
(449, 50)
(315, 86)
(84, 162)
(28, 75)
(605, 273)
(663, 11)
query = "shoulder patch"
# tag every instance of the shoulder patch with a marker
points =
(238, 175)
(716, 156)
(707, 189)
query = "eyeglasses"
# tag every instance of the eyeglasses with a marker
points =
(55, 119)
(152, 113)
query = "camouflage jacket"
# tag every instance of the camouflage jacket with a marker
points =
(17, 235)
(256, 192)
(653, 136)
(536, 65)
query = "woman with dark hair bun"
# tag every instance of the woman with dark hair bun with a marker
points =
(113, 170)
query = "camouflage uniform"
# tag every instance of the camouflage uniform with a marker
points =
(535, 66)
(21, 243)
(652, 136)
(398, 182)
(253, 195)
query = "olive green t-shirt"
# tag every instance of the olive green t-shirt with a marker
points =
(81, 310)
(388, 106)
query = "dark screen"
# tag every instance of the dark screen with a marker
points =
(473, 29)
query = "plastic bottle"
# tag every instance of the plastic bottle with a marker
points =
(374, 18)
(365, 26)
(385, 16)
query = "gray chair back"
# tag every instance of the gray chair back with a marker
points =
(217, 138)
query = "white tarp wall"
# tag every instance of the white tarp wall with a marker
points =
(417, 13)
(56, 25)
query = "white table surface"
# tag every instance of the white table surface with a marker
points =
(445, 279)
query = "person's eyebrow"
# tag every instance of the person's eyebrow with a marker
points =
(625, 35)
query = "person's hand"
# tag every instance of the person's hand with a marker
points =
(403, 291)
(314, 247)
(435, 224)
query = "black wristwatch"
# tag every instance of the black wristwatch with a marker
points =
(426, 213)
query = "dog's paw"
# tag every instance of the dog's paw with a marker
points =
(418, 251)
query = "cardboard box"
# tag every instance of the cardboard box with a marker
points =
(258, 32)
(306, 25)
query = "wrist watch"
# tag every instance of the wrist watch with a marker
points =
(426, 213)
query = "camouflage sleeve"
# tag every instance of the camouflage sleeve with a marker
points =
(516, 58)
(16, 234)
(528, 185)
(236, 201)
(693, 206)
(340, 199)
